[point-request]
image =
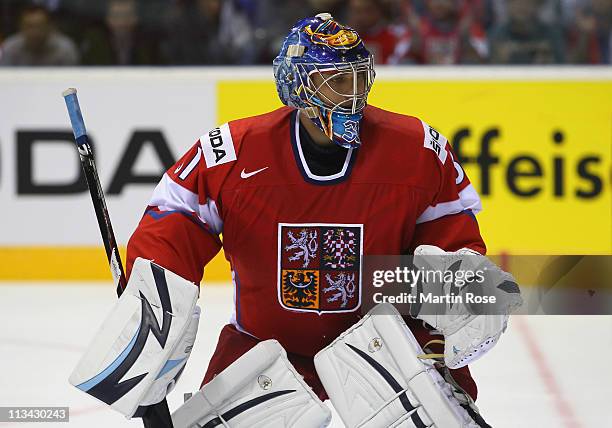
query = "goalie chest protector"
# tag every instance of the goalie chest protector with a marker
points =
(294, 240)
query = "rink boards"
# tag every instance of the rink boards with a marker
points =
(536, 143)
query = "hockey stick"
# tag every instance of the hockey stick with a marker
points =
(157, 415)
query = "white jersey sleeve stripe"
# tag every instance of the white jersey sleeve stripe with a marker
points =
(192, 164)
(468, 200)
(209, 214)
(171, 196)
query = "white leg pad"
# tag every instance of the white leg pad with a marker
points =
(374, 377)
(260, 389)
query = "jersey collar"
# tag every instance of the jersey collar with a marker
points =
(300, 160)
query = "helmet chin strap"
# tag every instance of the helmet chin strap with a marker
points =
(341, 128)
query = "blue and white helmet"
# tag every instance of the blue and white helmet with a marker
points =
(317, 59)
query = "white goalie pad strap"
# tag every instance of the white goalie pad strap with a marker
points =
(374, 377)
(260, 389)
(134, 344)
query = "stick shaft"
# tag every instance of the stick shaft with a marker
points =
(157, 415)
(95, 189)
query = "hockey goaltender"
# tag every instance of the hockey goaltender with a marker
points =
(299, 195)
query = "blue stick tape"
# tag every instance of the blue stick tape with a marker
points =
(74, 111)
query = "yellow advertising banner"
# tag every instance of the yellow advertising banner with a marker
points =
(539, 152)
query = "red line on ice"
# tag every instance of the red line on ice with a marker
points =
(546, 375)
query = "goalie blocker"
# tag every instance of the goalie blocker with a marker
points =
(143, 345)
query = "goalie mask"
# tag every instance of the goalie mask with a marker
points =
(324, 68)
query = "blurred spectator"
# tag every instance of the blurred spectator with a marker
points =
(548, 11)
(388, 43)
(270, 33)
(591, 35)
(525, 38)
(449, 34)
(38, 42)
(135, 32)
(209, 32)
(9, 18)
(121, 41)
(481, 10)
(74, 17)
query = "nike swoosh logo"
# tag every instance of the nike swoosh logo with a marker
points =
(244, 174)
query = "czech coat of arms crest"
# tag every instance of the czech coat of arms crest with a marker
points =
(319, 266)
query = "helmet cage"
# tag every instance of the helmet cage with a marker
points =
(313, 95)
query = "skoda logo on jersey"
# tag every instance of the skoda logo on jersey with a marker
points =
(218, 146)
(435, 141)
(319, 267)
(216, 142)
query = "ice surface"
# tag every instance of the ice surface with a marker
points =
(546, 371)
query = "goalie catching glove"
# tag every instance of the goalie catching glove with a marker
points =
(470, 329)
(144, 343)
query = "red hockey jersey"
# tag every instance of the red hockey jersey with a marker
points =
(294, 240)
